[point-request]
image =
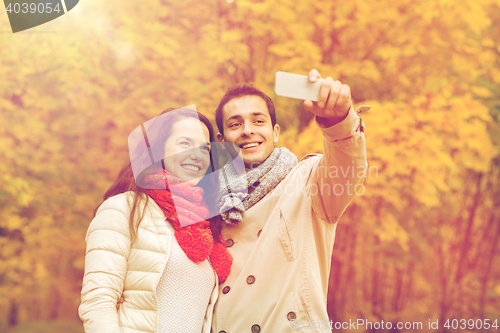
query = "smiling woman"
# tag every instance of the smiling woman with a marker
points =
(187, 150)
(163, 257)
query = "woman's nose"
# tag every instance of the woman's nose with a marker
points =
(196, 153)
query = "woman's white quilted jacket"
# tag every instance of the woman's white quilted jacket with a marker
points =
(113, 267)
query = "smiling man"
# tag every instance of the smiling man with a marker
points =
(280, 217)
(246, 114)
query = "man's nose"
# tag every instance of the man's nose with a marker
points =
(247, 129)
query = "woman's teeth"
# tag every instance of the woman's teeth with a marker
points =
(250, 145)
(191, 167)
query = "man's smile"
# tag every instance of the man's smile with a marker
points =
(248, 145)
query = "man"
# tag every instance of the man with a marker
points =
(280, 226)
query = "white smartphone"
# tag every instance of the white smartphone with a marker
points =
(296, 86)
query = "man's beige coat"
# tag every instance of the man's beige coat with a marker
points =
(282, 248)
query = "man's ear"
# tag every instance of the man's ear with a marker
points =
(276, 131)
(220, 137)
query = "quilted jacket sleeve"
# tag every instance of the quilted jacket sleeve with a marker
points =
(108, 248)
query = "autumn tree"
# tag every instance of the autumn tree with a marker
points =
(422, 240)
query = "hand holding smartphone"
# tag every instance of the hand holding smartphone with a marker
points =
(297, 86)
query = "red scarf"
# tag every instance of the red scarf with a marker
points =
(187, 216)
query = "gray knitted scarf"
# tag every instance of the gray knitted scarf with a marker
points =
(234, 199)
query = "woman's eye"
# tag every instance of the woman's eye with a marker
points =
(206, 148)
(184, 143)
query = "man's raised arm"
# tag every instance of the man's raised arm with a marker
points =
(341, 170)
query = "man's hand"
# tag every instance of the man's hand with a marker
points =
(334, 100)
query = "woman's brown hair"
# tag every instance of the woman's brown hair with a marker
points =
(156, 139)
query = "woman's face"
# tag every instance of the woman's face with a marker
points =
(187, 150)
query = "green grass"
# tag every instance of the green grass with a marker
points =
(48, 327)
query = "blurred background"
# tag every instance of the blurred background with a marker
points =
(421, 243)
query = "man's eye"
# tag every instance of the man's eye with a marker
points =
(186, 143)
(259, 121)
(233, 125)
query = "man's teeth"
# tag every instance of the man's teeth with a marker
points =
(249, 145)
(191, 167)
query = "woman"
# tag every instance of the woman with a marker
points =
(149, 243)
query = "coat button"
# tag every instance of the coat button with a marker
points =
(226, 289)
(229, 242)
(250, 279)
(291, 315)
(258, 234)
(255, 328)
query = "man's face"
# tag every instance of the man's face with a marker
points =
(247, 123)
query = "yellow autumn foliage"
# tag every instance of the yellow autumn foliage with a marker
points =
(420, 241)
